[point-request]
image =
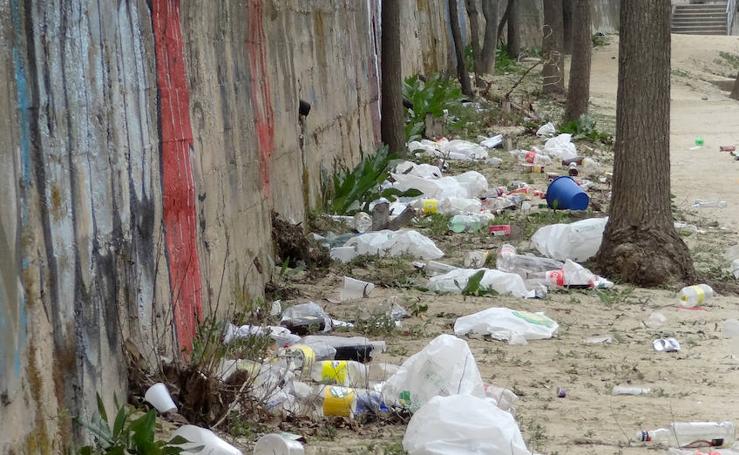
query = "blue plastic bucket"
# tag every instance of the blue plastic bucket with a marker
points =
(565, 194)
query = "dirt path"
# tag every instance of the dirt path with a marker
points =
(698, 108)
(698, 383)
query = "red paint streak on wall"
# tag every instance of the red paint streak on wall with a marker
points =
(260, 94)
(178, 186)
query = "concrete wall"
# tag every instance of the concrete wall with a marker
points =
(145, 144)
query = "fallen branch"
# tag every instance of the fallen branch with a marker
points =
(518, 82)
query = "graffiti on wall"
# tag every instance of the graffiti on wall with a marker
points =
(178, 187)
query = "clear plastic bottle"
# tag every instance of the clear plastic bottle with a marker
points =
(699, 204)
(626, 390)
(509, 261)
(531, 157)
(691, 296)
(466, 223)
(693, 434)
(324, 401)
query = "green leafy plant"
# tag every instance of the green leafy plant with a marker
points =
(474, 288)
(600, 40)
(128, 435)
(436, 94)
(585, 128)
(504, 63)
(354, 190)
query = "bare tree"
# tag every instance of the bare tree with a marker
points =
(392, 122)
(474, 15)
(464, 78)
(568, 22)
(552, 48)
(578, 90)
(490, 44)
(640, 244)
(735, 92)
(514, 39)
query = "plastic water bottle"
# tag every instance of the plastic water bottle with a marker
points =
(531, 157)
(509, 261)
(691, 296)
(342, 401)
(465, 223)
(624, 390)
(693, 434)
(699, 204)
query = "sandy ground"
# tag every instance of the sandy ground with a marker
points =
(698, 383)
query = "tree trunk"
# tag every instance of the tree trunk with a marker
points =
(568, 22)
(640, 244)
(578, 90)
(392, 121)
(490, 10)
(503, 22)
(471, 6)
(464, 79)
(552, 48)
(735, 92)
(514, 41)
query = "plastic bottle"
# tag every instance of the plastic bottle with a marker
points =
(531, 157)
(693, 434)
(465, 223)
(340, 372)
(623, 390)
(691, 296)
(699, 204)
(509, 261)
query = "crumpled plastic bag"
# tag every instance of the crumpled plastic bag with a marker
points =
(560, 147)
(474, 182)
(492, 142)
(454, 150)
(516, 327)
(419, 170)
(577, 275)
(280, 335)
(455, 281)
(546, 130)
(444, 367)
(431, 188)
(463, 425)
(395, 243)
(578, 241)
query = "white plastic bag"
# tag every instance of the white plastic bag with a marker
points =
(578, 241)
(395, 243)
(463, 425)
(474, 182)
(459, 205)
(492, 142)
(424, 170)
(444, 367)
(546, 130)
(431, 188)
(507, 325)
(455, 281)
(560, 147)
(463, 150)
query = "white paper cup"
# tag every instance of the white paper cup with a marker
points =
(355, 289)
(211, 443)
(158, 396)
(278, 444)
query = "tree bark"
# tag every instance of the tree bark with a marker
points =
(464, 79)
(578, 90)
(735, 92)
(568, 23)
(552, 48)
(392, 123)
(640, 244)
(474, 15)
(503, 21)
(514, 40)
(490, 10)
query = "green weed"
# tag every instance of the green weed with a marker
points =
(585, 128)
(354, 190)
(431, 97)
(600, 40)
